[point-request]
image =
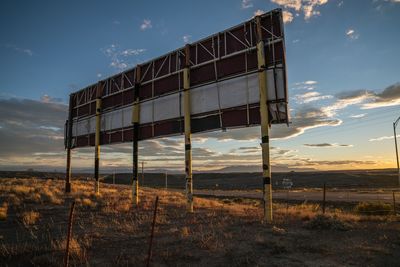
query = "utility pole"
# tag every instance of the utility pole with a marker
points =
(397, 151)
(114, 177)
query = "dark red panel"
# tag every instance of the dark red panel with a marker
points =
(205, 123)
(202, 74)
(167, 128)
(116, 137)
(145, 132)
(254, 115)
(82, 141)
(234, 118)
(129, 79)
(83, 110)
(205, 51)
(145, 91)
(167, 84)
(128, 135)
(127, 97)
(235, 40)
(230, 66)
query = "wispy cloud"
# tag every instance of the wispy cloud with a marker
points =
(308, 85)
(358, 116)
(383, 138)
(247, 4)
(186, 38)
(119, 58)
(310, 97)
(19, 49)
(146, 24)
(326, 145)
(258, 12)
(352, 34)
(308, 7)
(287, 16)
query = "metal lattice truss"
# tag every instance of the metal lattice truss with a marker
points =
(223, 84)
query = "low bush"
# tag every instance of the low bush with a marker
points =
(373, 208)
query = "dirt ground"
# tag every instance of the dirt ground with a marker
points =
(109, 231)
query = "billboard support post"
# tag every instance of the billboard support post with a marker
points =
(68, 146)
(135, 122)
(187, 123)
(264, 115)
(97, 138)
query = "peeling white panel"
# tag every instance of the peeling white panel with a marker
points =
(146, 112)
(203, 99)
(254, 93)
(233, 92)
(166, 107)
(127, 116)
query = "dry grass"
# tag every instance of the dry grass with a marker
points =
(110, 231)
(30, 217)
(75, 249)
(3, 211)
(374, 208)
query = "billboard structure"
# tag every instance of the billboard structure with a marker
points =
(234, 78)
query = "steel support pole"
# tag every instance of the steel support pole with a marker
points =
(188, 145)
(266, 166)
(397, 151)
(97, 145)
(69, 147)
(135, 122)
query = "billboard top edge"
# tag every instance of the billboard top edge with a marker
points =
(276, 10)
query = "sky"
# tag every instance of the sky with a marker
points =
(342, 67)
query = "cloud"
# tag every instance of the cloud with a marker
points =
(119, 57)
(326, 145)
(307, 85)
(390, 96)
(30, 126)
(258, 12)
(352, 34)
(186, 38)
(310, 97)
(367, 99)
(146, 24)
(358, 116)
(383, 138)
(287, 16)
(19, 49)
(48, 99)
(247, 4)
(308, 7)
(346, 99)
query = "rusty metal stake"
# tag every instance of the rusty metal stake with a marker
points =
(69, 233)
(152, 233)
(324, 199)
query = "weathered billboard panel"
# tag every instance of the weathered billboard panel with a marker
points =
(223, 88)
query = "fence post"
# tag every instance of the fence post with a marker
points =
(324, 199)
(152, 233)
(394, 203)
(69, 233)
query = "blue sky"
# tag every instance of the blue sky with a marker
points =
(49, 49)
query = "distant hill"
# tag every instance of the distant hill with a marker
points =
(240, 180)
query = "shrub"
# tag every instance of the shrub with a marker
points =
(3, 211)
(374, 208)
(325, 222)
(30, 217)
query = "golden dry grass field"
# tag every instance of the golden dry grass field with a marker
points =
(108, 231)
